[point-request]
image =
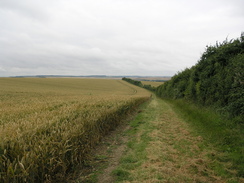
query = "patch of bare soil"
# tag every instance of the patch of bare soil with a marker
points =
(105, 157)
(114, 157)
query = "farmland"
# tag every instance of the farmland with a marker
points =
(49, 125)
(152, 83)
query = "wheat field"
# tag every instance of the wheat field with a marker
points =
(49, 125)
(152, 83)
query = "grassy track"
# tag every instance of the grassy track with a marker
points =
(164, 148)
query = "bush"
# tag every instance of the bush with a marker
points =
(216, 80)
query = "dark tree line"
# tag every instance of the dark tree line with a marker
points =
(134, 82)
(139, 83)
(216, 80)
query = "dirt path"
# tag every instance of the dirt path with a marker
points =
(160, 147)
(114, 157)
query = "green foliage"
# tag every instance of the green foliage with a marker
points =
(121, 174)
(216, 80)
(139, 83)
(134, 82)
(228, 137)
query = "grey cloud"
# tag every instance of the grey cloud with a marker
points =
(113, 37)
(34, 10)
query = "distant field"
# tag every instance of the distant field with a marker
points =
(48, 125)
(151, 78)
(152, 83)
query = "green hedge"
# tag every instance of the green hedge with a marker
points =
(217, 80)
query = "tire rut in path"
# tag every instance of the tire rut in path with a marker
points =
(114, 158)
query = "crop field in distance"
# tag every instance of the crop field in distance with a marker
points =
(150, 78)
(152, 83)
(48, 125)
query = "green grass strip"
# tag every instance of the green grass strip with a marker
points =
(139, 139)
(224, 133)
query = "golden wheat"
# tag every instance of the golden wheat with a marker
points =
(152, 83)
(49, 125)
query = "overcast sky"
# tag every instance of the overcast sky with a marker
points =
(112, 37)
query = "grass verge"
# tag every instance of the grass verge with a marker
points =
(139, 138)
(223, 133)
